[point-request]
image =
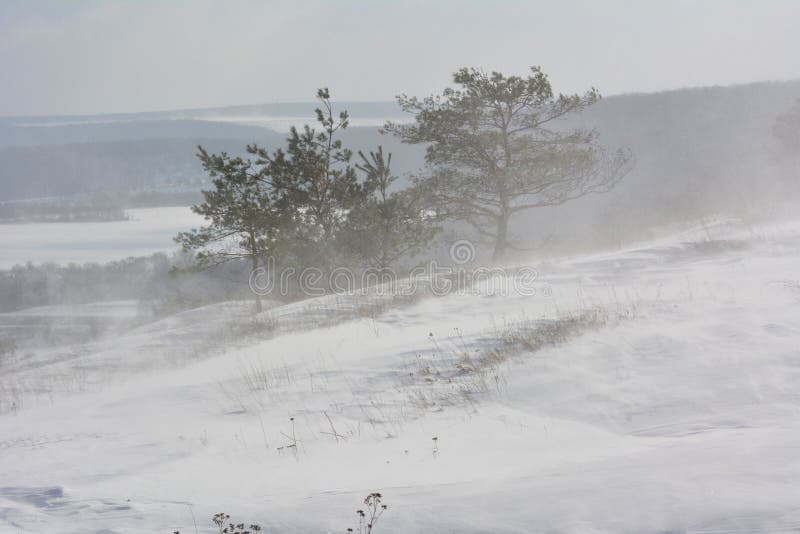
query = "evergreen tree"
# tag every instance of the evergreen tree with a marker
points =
(243, 218)
(314, 181)
(493, 151)
(386, 226)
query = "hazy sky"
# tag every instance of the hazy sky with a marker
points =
(73, 56)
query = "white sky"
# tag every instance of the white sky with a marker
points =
(74, 56)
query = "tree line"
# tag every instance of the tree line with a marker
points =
(162, 283)
(494, 148)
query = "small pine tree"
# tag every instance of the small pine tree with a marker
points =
(386, 226)
(314, 181)
(243, 218)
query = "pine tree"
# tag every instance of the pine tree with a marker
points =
(386, 226)
(243, 218)
(314, 181)
(493, 151)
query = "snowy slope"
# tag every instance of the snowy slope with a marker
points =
(649, 390)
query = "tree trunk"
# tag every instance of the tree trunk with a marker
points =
(259, 308)
(501, 238)
(254, 258)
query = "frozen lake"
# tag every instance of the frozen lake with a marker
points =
(149, 230)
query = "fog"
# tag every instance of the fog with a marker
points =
(411, 266)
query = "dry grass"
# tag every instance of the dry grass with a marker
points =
(456, 372)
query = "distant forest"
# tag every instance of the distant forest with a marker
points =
(161, 280)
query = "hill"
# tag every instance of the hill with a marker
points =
(648, 390)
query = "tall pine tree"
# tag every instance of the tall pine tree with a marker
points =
(494, 151)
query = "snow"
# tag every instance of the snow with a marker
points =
(673, 408)
(148, 230)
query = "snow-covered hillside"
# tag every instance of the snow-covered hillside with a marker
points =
(651, 390)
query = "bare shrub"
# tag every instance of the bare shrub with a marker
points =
(367, 519)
